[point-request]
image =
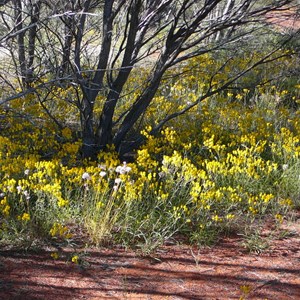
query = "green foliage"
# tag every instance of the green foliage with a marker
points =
(254, 242)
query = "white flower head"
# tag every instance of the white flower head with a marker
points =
(123, 169)
(86, 176)
(118, 181)
(26, 194)
(119, 169)
(86, 187)
(26, 172)
(102, 173)
(115, 188)
(19, 189)
(127, 169)
(285, 167)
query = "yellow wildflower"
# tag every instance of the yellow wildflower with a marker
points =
(75, 259)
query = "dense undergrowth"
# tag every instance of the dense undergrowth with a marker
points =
(231, 161)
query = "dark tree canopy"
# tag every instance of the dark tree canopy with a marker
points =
(95, 45)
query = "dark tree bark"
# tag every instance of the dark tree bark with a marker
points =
(128, 33)
(34, 12)
(18, 10)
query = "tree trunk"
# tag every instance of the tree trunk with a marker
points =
(20, 40)
(32, 34)
(89, 147)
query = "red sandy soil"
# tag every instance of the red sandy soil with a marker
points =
(172, 272)
(285, 20)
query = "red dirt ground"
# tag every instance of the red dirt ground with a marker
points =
(285, 20)
(173, 272)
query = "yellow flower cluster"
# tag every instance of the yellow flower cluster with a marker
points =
(228, 157)
(4, 206)
(59, 230)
